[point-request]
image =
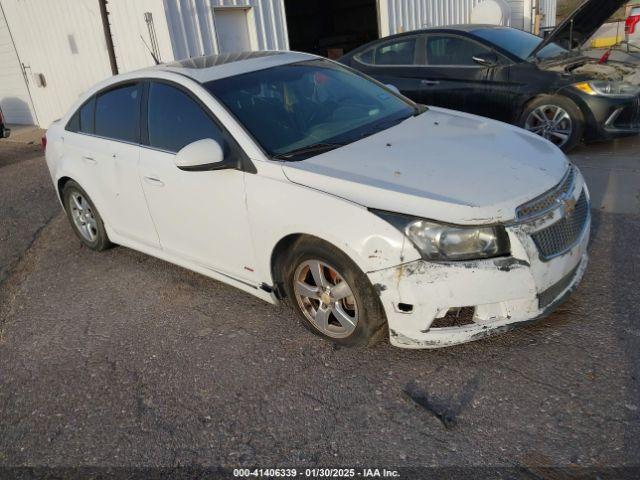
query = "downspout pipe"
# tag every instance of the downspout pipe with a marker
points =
(108, 36)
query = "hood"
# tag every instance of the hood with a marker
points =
(441, 165)
(581, 24)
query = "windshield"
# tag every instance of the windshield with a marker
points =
(296, 107)
(519, 43)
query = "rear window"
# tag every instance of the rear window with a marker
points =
(117, 113)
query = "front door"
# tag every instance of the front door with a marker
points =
(451, 78)
(200, 216)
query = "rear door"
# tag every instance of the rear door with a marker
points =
(394, 63)
(115, 155)
(201, 216)
(452, 79)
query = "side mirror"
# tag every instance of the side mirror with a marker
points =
(206, 154)
(489, 59)
(393, 88)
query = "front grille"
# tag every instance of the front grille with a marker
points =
(547, 297)
(548, 200)
(565, 233)
(629, 118)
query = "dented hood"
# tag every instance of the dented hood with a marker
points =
(581, 24)
(441, 165)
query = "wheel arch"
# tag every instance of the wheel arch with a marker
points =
(279, 252)
(60, 184)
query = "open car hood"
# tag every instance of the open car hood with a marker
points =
(581, 24)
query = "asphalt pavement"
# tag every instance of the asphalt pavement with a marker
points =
(120, 359)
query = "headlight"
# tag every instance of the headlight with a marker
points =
(605, 88)
(441, 242)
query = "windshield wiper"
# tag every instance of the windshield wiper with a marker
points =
(309, 150)
(420, 109)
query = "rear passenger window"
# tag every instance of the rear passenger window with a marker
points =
(117, 113)
(73, 125)
(401, 52)
(175, 120)
(82, 120)
(87, 116)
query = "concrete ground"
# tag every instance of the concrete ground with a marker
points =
(119, 359)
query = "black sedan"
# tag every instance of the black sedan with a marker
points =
(546, 86)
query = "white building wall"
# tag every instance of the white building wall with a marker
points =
(191, 24)
(63, 41)
(14, 95)
(403, 15)
(549, 12)
(129, 29)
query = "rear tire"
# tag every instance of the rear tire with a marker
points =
(555, 118)
(84, 217)
(344, 308)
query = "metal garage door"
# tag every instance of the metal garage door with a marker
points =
(14, 96)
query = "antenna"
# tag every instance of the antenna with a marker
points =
(153, 55)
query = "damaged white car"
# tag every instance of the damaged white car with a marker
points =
(291, 176)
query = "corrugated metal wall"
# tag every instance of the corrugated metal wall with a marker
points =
(14, 95)
(404, 15)
(192, 28)
(548, 9)
(129, 29)
(63, 42)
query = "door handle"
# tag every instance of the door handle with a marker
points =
(90, 160)
(430, 83)
(156, 182)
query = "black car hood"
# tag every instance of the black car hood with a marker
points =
(581, 24)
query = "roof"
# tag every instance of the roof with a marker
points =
(213, 67)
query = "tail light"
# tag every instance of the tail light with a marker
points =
(43, 141)
(631, 24)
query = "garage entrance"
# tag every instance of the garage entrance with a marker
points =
(331, 28)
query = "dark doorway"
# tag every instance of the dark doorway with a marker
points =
(330, 28)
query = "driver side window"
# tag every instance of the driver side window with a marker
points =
(453, 50)
(175, 120)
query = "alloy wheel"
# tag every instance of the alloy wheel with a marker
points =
(551, 122)
(82, 215)
(325, 298)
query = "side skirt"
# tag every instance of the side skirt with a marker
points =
(254, 290)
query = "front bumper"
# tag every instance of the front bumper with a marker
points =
(611, 117)
(501, 293)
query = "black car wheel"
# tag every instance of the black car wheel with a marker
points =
(555, 118)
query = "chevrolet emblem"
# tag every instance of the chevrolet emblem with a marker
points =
(569, 206)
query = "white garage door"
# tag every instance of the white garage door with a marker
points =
(14, 96)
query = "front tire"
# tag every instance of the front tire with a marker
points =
(556, 118)
(84, 217)
(331, 295)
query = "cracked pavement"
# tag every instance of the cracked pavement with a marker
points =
(120, 359)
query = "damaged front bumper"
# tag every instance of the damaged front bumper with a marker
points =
(422, 300)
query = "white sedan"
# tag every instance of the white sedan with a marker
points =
(292, 177)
